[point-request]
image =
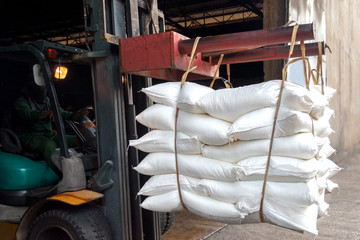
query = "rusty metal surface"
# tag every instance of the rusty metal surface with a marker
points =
(264, 37)
(158, 56)
(343, 222)
(166, 55)
(269, 53)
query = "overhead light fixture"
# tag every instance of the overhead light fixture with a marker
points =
(61, 72)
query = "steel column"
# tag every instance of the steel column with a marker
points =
(110, 113)
(150, 218)
(133, 29)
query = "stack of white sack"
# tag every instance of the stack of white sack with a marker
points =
(223, 139)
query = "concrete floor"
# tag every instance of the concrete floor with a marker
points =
(343, 222)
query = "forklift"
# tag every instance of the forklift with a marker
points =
(62, 199)
(88, 192)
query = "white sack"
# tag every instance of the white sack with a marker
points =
(231, 103)
(163, 183)
(291, 217)
(323, 206)
(325, 150)
(190, 165)
(322, 126)
(328, 168)
(297, 218)
(209, 130)
(163, 141)
(294, 194)
(169, 94)
(324, 183)
(285, 169)
(258, 124)
(297, 193)
(321, 100)
(166, 202)
(303, 146)
(328, 91)
(200, 205)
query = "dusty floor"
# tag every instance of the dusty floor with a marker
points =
(342, 224)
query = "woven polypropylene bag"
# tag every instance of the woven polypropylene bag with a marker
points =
(208, 130)
(171, 94)
(231, 103)
(163, 141)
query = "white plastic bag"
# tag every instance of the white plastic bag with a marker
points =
(325, 149)
(292, 194)
(296, 193)
(163, 183)
(163, 141)
(328, 91)
(322, 126)
(203, 206)
(292, 217)
(231, 103)
(169, 94)
(321, 101)
(296, 218)
(302, 145)
(328, 168)
(285, 169)
(258, 124)
(209, 130)
(190, 165)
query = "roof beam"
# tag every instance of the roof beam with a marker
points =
(252, 7)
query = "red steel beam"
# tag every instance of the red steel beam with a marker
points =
(250, 39)
(268, 53)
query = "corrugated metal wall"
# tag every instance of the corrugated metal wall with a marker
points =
(343, 73)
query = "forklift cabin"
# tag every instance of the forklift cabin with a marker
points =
(103, 23)
(33, 192)
(28, 183)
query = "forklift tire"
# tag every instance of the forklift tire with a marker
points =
(166, 219)
(70, 224)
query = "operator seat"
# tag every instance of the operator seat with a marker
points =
(22, 180)
(9, 141)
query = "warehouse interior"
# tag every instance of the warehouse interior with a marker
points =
(69, 23)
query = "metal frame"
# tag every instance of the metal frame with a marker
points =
(108, 93)
(207, 13)
(115, 117)
(54, 102)
(115, 109)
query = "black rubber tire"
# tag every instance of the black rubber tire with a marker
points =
(166, 219)
(71, 224)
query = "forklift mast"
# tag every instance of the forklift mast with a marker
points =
(111, 20)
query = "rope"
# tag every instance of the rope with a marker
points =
(261, 212)
(217, 70)
(150, 19)
(228, 71)
(307, 77)
(319, 68)
(183, 80)
(225, 81)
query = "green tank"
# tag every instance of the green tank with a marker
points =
(21, 173)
